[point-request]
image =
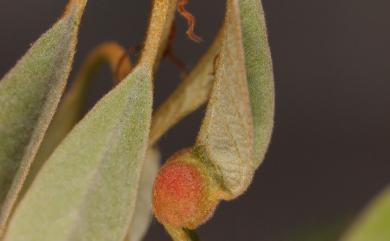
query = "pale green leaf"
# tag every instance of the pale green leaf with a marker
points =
(87, 189)
(195, 89)
(374, 224)
(71, 110)
(226, 135)
(29, 95)
(260, 77)
(143, 208)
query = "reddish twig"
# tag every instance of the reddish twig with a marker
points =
(169, 51)
(190, 20)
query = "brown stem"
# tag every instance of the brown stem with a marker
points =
(170, 54)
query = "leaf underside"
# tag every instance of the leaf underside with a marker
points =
(71, 109)
(195, 89)
(143, 208)
(75, 197)
(91, 180)
(226, 135)
(29, 95)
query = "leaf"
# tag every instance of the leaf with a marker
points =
(374, 224)
(192, 93)
(195, 89)
(260, 77)
(87, 189)
(70, 113)
(29, 95)
(226, 135)
(71, 110)
(143, 208)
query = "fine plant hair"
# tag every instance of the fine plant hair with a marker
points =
(66, 176)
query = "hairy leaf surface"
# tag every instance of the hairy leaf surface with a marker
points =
(260, 76)
(29, 95)
(87, 188)
(226, 135)
(71, 110)
(143, 208)
(195, 89)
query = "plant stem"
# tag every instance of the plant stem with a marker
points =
(192, 235)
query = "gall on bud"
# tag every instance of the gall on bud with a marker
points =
(184, 195)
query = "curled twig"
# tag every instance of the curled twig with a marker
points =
(190, 20)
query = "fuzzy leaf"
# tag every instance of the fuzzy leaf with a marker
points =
(192, 93)
(226, 135)
(374, 225)
(87, 188)
(29, 95)
(195, 89)
(143, 208)
(71, 110)
(260, 77)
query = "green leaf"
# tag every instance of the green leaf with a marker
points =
(88, 187)
(192, 93)
(259, 70)
(71, 110)
(29, 95)
(143, 208)
(226, 135)
(374, 224)
(195, 89)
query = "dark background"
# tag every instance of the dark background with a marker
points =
(329, 154)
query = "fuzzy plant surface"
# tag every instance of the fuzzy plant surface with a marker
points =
(65, 176)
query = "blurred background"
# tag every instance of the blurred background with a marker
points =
(330, 151)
